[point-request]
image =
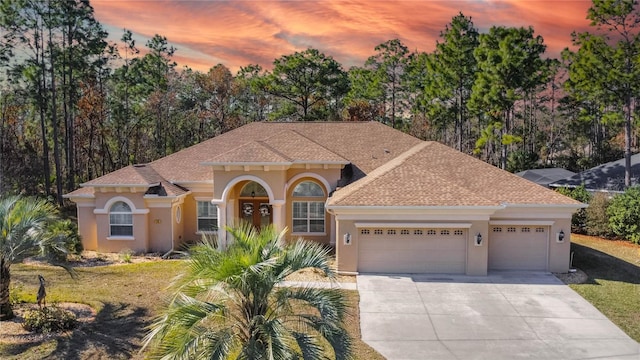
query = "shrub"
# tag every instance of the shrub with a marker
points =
(624, 215)
(579, 219)
(67, 230)
(49, 319)
(126, 255)
(597, 220)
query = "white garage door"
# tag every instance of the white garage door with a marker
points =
(402, 250)
(518, 247)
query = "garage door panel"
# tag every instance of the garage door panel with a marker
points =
(518, 248)
(411, 253)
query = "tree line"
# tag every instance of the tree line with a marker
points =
(74, 106)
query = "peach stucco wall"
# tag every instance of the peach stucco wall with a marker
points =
(87, 227)
(279, 184)
(138, 242)
(560, 253)
(477, 256)
(160, 232)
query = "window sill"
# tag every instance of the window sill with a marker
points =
(214, 232)
(309, 233)
(129, 238)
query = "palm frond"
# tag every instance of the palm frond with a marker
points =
(227, 303)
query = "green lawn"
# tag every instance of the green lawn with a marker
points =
(126, 298)
(613, 286)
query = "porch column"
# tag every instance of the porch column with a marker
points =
(278, 214)
(222, 223)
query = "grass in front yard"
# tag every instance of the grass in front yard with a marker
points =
(614, 279)
(126, 299)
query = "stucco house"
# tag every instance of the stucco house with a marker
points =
(387, 201)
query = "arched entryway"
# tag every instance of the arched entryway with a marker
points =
(254, 205)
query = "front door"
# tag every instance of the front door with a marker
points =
(257, 212)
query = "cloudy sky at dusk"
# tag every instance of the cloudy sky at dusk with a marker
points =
(238, 33)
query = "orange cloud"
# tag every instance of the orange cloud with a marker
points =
(238, 33)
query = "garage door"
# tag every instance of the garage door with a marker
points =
(402, 250)
(518, 247)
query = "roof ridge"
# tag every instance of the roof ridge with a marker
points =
(317, 143)
(272, 149)
(373, 175)
(256, 142)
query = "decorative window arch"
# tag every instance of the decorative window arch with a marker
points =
(233, 182)
(253, 189)
(308, 215)
(120, 219)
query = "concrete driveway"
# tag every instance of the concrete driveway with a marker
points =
(506, 315)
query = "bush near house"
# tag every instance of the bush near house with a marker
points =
(579, 219)
(624, 215)
(597, 220)
(49, 319)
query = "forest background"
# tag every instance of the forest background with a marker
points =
(75, 106)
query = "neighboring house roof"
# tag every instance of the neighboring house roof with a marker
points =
(545, 176)
(605, 177)
(432, 174)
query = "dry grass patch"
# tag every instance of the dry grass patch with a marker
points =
(124, 297)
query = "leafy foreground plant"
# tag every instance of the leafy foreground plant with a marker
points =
(28, 227)
(49, 319)
(227, 304)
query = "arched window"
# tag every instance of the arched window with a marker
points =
(120, 219)
(308, 213)
(308, 189)
(253, 189)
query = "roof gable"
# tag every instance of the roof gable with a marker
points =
(432, 174)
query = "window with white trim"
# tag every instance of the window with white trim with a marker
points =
(417, 232)
(458, 232)
(404, 232)
(444, 232)
(308, 216)
(120, 219)
(364, 231)
(377, 231)
(207, 216)
(431, 232)
(391, 232)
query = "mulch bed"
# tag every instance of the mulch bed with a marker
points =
(12, 332)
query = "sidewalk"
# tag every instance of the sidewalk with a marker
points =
(321, 285)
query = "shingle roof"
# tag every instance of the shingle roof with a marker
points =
(400, 169)
(132, 175)
(366, 145)
(432, 174)
(286, 146)
(607, 177)
(545, 176)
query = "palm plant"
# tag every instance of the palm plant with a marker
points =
(228, 305)
(25, 232)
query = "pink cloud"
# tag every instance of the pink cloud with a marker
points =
(237, 33)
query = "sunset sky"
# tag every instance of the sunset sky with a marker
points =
(238, 33)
